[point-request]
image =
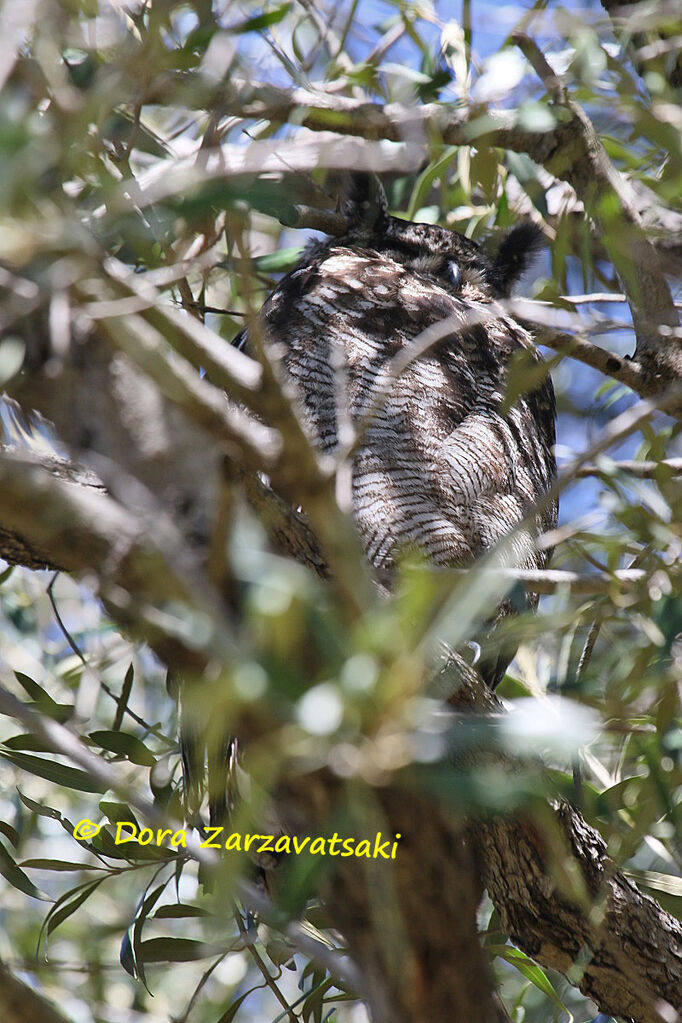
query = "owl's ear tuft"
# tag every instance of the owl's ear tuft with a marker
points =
(366, 206)
(518, 249)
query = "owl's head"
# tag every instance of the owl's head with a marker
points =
(455, 262)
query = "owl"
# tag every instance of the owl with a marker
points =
(397, 327)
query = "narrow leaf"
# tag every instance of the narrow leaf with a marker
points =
(58, 865)
(67, 910)
(26, 741)
(231, 1013)
(17, 878)
(123, 742)
(124, 697)
(39, 808)
(176, 950)
(261, 21)
(179, 910)
(10, 832)
(60, 774)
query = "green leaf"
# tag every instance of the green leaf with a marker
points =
(524, 374)
(124, 697)
(105, 844)
(143, 911)
(671, 884)
(276, 262)
(313, 1006)
(281, 953)
(12, 351)
(536, 117)
(35, 691)
(123, 742)
(532, 972)
(126, 957)
(6, 573)
(177, 950)
(58, 865)
(57, 916)
(60, 774)
(26, 741)
(17, 878)
(426, 178)
(232, 1011)
(178, 911)
(39, 808)
(10, 832)
(116, 812)
(261, 21)
(45, 703)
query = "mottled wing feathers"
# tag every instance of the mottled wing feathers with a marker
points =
(441, 467)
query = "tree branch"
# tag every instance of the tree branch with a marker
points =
(55, 519)
(641, 470)
(550, 580)
(623, 950)
(571, 151)
(19, 1003)
(583, 161)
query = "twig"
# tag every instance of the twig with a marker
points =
(252, 442)
(624, 370)
(203, 980)
(586, 653)
(19, 1003)
(551, 580)
(540, 65)
(267, 977)
(634, 257)
(223, 312)
(123, 707)
(641, 470)
(329, 221)
(388, 39)
(599, 297)
(132, 564)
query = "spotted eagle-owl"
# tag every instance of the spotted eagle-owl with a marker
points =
(441, 467)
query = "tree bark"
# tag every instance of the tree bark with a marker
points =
(621, 949)
(19, 1003)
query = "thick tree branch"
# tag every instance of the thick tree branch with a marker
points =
(143, 567)
(422, 968)
(625, 952)
(19, 1003)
